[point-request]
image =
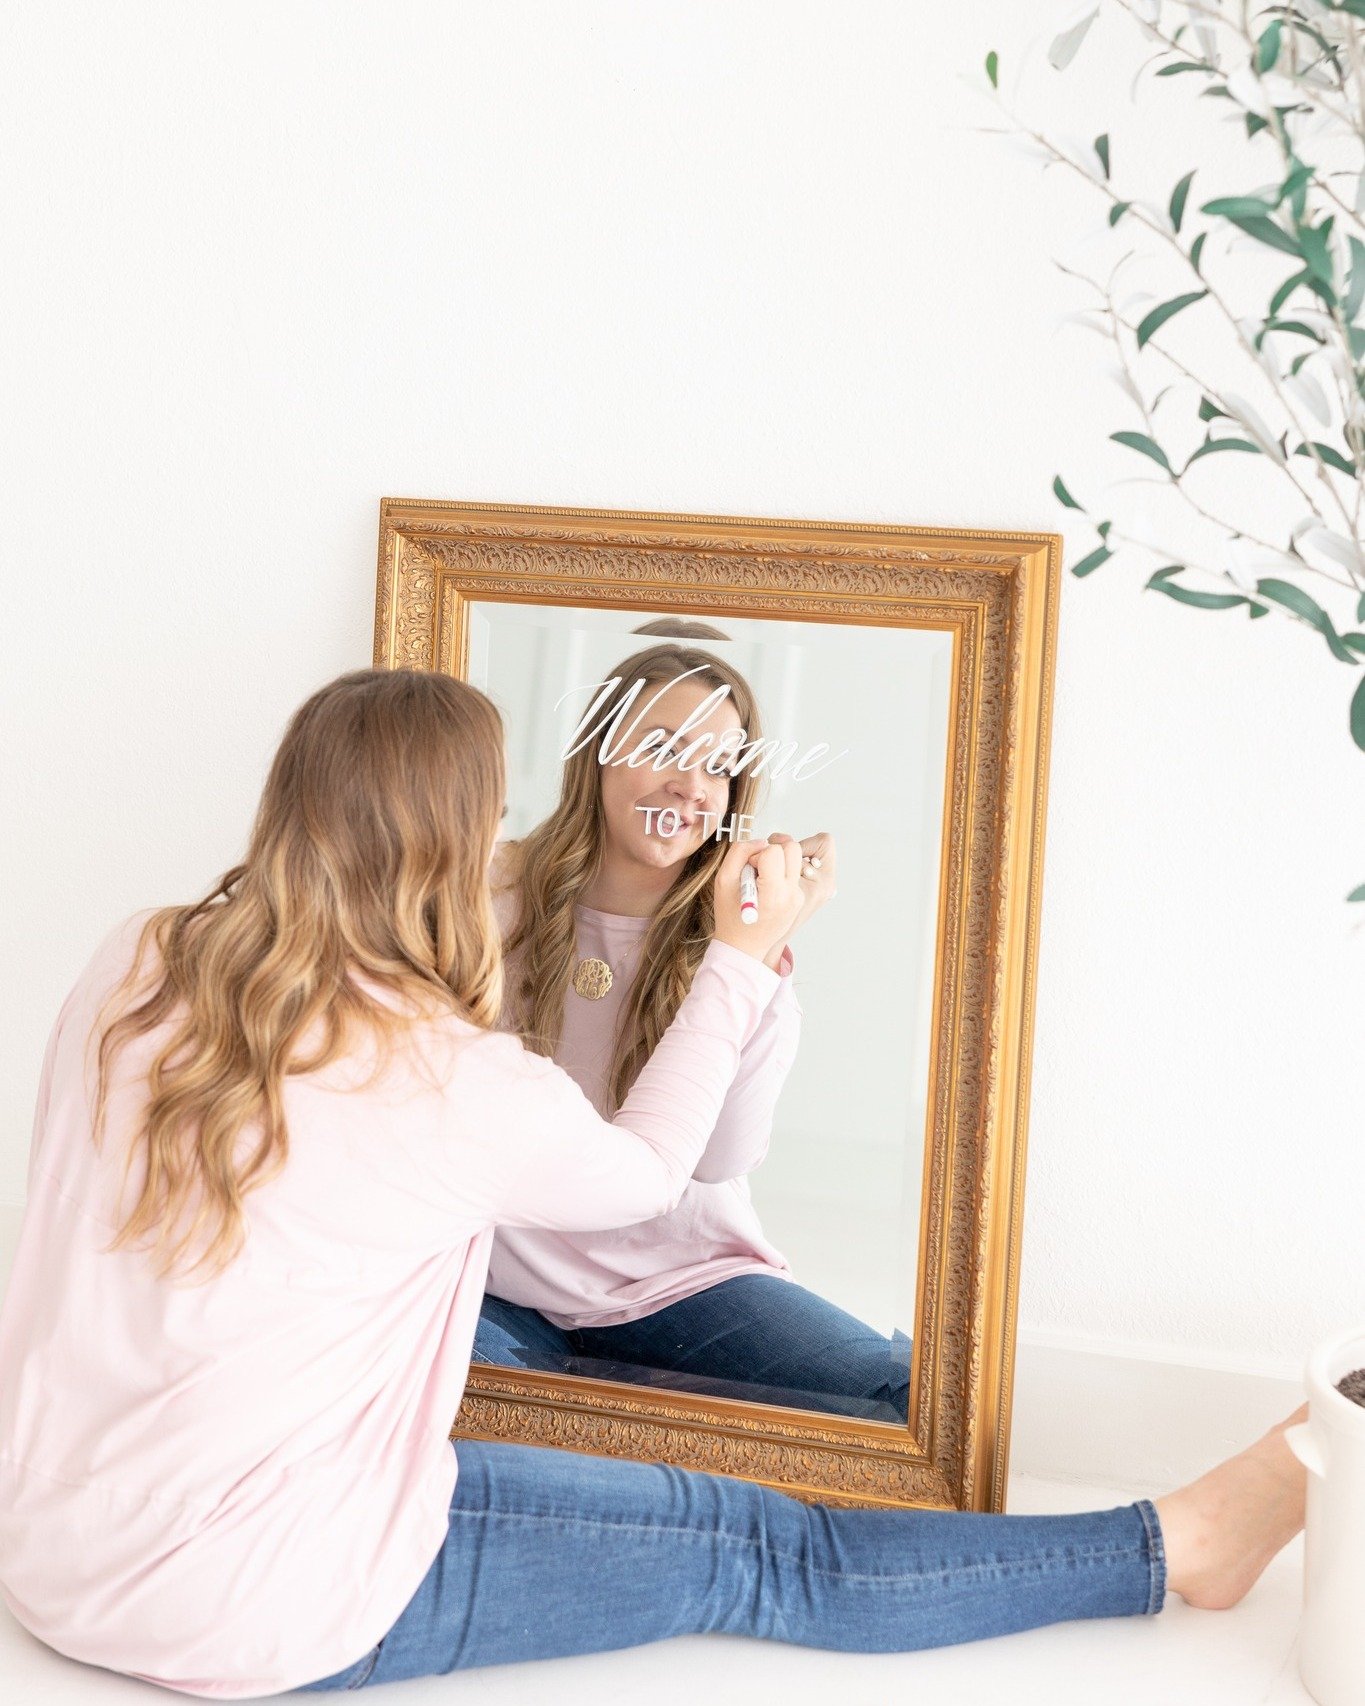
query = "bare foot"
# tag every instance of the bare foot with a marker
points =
(1222, 1530)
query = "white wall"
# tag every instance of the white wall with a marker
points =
(267, 263)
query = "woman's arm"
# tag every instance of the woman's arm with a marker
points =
(744, 1128)
(532, 1150)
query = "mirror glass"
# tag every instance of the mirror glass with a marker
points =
(787, 1273)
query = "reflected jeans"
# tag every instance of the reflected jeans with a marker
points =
(755, 1337)
(552, 1552)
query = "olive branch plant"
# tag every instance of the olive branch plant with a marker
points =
(1292, 77)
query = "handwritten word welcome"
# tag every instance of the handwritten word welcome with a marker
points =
(761, 754)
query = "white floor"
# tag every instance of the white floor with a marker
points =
(1243, 1657)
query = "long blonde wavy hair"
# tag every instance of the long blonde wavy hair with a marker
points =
(369, 853)
(551, 866)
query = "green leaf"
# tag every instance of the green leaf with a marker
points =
(1268, 48)
(993, 68)
(1184, 65)
(1358, 728)
(1351, 306)
(1282, 295)
(1148, 447)
(1314, 248)
(1160, 582)
(1268, 232)
(1093, 561)
(1294, 186)
(1357, 894)
(1117, 211)
(1239, 207)
(1178, 195)
(1325, 291)
(1196, 249)
(1333, 458)
(1064, 495)
(1102, 149)
(1254, 123)
(1158, 317)
(1360, 609)
(1275, 324)
(1211, 444)
(1210, 411)
(1296, 599)
(1317, 35)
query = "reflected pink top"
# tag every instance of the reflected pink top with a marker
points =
(619, 1273)
(235, 1487)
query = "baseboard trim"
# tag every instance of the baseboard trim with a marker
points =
(1129, 1418)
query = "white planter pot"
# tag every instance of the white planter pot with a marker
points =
(1331, 1446)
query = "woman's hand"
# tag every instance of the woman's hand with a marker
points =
(778, 870)
(819, 887)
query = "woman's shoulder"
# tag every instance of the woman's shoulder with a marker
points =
(501, 1059)
(116, 949)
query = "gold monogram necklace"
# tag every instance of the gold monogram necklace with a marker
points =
(592, 978)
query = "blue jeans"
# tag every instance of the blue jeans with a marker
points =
(755, 1337)
(552, 1552)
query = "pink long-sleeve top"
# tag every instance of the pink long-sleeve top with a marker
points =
(235, 1487)
(618, 1273)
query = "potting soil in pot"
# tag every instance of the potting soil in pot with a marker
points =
(1352, 1386)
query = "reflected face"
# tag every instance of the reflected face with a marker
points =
(634, 834)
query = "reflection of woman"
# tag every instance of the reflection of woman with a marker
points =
(239, 1481)
(604, 920)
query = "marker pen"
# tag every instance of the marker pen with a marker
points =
(748, 895)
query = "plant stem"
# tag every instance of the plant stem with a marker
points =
(1116, 320)
(1176, 479)
(1276, 124)
(1224, 309)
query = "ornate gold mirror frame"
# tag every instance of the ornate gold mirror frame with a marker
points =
(997, 593)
